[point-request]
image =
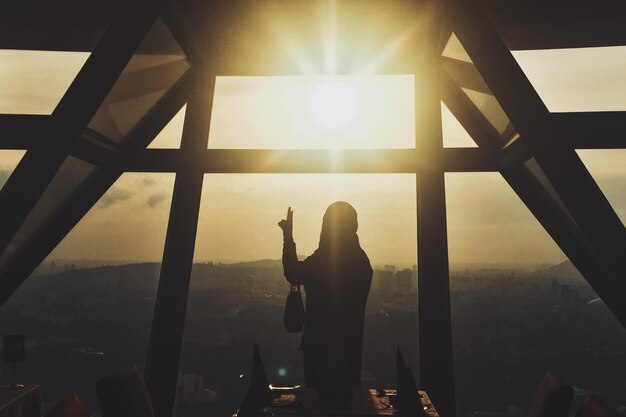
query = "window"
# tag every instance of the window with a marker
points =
(87, 309)
(238, 290)
(42, 79)
(519, 307)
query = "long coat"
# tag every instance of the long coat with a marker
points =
(336, 285)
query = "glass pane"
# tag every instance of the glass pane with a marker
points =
(519, 307)
(33, 82)
(347, 112)
(491, 109)
(238, 289)
(536, 171)
(454, 135)
(171, 135)
(87, 310)
(154, 68)
(608, 168)
(580, 79)
(8, 161)
(70, 176)
(460, 68)
(454, 49)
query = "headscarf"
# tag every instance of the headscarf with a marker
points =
(339, 228)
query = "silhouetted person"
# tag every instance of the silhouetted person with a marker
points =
(336, 279)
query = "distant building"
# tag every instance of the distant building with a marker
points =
(404, 280)
(382, 282)
(192, 398)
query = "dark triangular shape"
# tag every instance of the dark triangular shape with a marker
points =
(259, 391)
(259, 377)
(408, 400)
(400, 369)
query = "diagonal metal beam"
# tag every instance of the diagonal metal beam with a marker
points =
(550, 214)
(479, 128)
(567, 236)
(38, 167)
(24, 261)
(484, 134)
(465, 74)
(568, 176)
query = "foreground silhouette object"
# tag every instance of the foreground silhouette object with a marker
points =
(593, 406)
(259, 392)
(69, 406)
(124, 394)
(553, 397)
(336, 279)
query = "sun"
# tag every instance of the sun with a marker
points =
(333, 104)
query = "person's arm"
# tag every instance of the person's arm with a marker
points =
(296, 272)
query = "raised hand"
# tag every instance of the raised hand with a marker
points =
(287, 224)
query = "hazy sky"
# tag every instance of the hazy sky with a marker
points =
(487, 222)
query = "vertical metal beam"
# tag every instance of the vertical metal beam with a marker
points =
(168, 322)
(435, 327)
(436, 368)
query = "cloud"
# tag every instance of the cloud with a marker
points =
(156, 199)
(113, 196)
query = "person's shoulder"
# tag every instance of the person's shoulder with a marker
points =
(314, 257)
(363, 254)
(366, 262)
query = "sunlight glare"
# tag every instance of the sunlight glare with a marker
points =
(333, 104)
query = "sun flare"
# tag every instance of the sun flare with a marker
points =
(334, 104)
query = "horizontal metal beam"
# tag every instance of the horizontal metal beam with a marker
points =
(23, 131)
(554, 24)
(77, 26)
(592, 130)
(55, 26)
(310, 161)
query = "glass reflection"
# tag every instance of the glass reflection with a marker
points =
(154, 68)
